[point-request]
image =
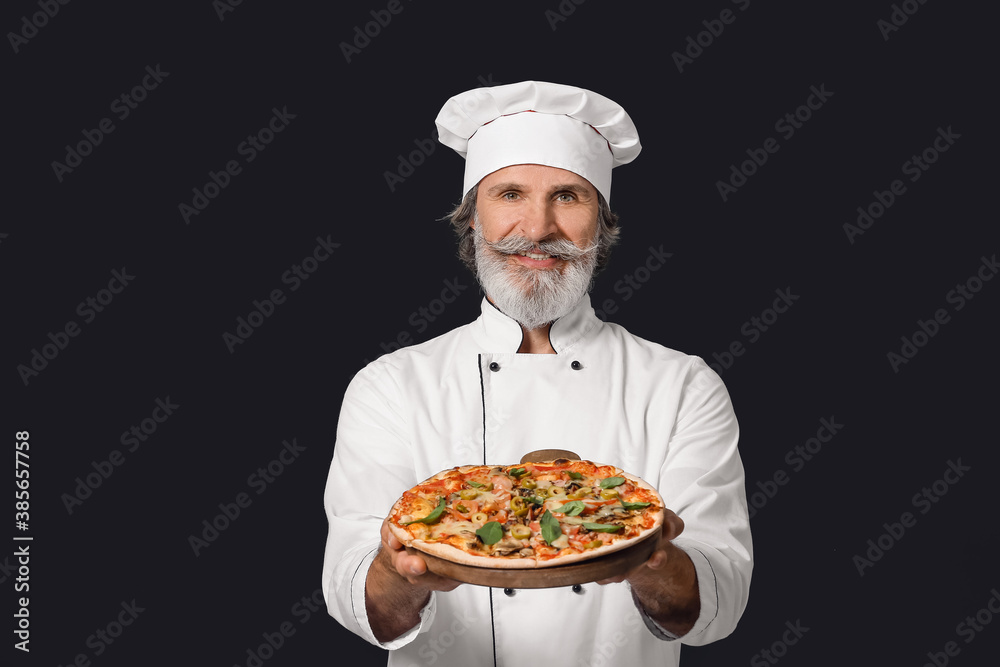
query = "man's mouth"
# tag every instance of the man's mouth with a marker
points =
(536, 255)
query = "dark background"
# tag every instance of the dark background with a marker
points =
(324, 176)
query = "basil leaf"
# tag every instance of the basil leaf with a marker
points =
(517, 472)
(574, 475)
(433, 516)
(476, 484)
(603, 527)
(550, 527)
(634, 506)
(490, 533)
(612, 482)
(572, 508)
(534, 499)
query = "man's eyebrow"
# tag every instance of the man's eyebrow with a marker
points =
(563, 187)
(570, 187)
(503, 187)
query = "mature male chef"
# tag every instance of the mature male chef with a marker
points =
(538, 370)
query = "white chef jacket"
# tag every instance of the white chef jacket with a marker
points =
(467, 397)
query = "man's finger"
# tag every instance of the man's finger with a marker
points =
(393, 542)
(673, 525)
(388, 538)
(414, 569)
(412, 566)
(657, 560)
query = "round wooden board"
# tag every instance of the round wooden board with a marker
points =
(603, 567)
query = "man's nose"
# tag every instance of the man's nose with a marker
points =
(538, 221)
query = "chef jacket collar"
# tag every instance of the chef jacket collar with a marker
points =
(497, 332)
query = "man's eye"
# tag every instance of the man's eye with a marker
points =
(510, 196)
(565, 197)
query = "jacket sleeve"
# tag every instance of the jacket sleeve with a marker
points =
(702, 480)
(372, 465)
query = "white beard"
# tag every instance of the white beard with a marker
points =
(533, 297)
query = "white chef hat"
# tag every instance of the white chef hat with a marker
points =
(534, 122)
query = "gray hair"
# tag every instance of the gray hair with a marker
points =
(461, 218)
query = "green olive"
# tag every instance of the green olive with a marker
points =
(463, 509)
(582, 492)
(593, 544)
(556, 492)
(607, 494)
(529, 484)
(542, 493)
(518, 506)
(521, 532)
(468, 494)
(479, 517)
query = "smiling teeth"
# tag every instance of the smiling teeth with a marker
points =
(533, 255)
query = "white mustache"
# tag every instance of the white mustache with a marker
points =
(560, 248)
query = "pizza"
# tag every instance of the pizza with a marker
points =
(528, 515)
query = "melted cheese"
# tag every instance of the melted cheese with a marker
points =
(442, 529)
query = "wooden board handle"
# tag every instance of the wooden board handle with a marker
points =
(549, 455)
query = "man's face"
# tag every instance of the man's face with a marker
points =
(535, 233)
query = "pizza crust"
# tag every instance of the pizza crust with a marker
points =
(455, 554)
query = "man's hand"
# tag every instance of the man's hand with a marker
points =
(398, 587)
(666, 583)
(409, 566)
